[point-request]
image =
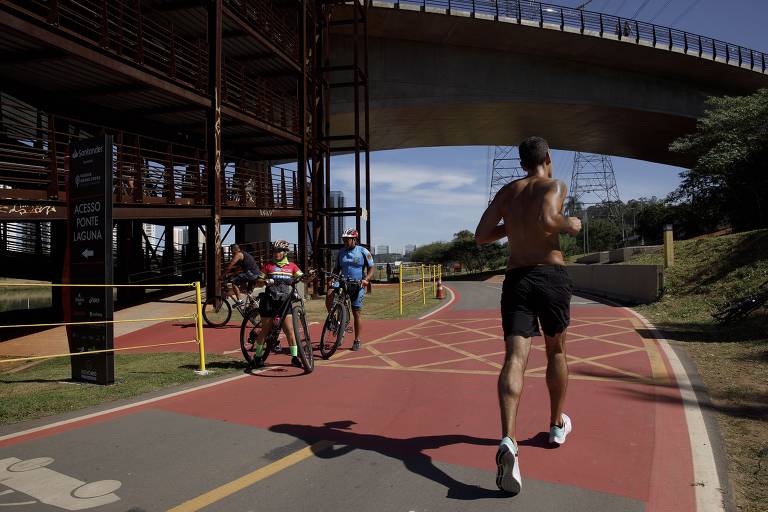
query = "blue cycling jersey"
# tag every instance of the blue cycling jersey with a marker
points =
(351, 262)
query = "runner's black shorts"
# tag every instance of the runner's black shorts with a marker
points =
(533, 295)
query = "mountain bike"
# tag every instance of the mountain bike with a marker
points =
(252, 326)
(337, 322)
(742, 307)
(217, 310)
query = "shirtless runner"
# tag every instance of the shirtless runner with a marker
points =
(537, 289)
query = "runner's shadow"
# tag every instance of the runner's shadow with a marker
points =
(540, 440)
(409, 451)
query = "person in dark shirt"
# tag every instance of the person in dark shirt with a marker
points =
(245, 269)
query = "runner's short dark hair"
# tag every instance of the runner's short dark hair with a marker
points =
(533, 152)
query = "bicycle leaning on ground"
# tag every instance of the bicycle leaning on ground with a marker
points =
(337, 322)
(743, 307)
(217, 309)
(252, 325)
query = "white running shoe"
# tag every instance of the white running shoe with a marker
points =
(557, 434)
(508, 473)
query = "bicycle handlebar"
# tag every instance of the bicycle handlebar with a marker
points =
(340, 277)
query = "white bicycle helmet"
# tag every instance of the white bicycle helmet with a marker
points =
(281, 245)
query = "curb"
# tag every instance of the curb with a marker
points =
(713, 489)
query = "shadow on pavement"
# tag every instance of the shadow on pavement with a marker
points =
(409, 451)
(540, 440)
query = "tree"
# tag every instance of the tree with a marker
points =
(728, 182)
(436, 252)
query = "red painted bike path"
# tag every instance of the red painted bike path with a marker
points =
(428, 388)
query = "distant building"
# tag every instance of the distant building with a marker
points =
(408, 250)
(152, 231)
(382, 249)
(180, 235)
(335, 222)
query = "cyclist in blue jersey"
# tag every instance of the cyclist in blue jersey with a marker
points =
(353, 262)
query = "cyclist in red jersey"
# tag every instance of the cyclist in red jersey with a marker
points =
(277, 275)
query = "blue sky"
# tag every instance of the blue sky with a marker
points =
(427, 194)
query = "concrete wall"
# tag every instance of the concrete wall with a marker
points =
(638, 284)
(595, 257)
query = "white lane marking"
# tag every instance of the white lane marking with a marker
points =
(708, 489)
(32, 478)
(122, 407)
(453, 298)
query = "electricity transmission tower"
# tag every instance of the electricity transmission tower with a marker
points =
(593, 193)
(503, 166)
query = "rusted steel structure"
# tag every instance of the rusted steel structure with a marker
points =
(219, 110)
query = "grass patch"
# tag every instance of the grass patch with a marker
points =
(732, 359)
(43, 389)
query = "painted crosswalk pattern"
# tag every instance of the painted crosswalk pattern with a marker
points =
(473, 345)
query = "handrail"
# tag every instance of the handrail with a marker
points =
(607, 26)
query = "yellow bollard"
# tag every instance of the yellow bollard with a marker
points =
(199, 328)
(401, 289)
(669, 246)
(423, 286)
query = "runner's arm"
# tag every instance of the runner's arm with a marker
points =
(488, 229)
(551, 217)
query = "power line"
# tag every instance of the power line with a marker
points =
(663, 8)
(642, 6)
(693, 4)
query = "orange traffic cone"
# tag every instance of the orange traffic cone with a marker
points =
(439, 294)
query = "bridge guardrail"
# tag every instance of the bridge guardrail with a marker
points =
(602, 25)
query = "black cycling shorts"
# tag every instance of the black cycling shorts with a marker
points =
(533, 295)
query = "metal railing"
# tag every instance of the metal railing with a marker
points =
(264, 16)
(34, 164)
(120, 27)
(569, 19)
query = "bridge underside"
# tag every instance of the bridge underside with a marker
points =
(604, 130)
(440, 80)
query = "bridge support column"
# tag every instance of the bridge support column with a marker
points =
(130, 258)
(213, 136)
(58, 249)
(169, 253)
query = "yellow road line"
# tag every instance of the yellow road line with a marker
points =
(469, 355)
(391, 362)
(241, 483)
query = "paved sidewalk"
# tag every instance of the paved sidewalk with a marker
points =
(408, 423)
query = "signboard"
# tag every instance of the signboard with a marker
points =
(90, 257)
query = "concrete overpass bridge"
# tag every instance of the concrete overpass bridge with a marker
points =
(446, 72)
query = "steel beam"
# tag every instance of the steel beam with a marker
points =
(213, 146)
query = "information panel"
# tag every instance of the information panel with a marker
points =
(90, 256)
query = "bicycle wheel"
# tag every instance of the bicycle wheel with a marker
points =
(217, 315)
(333, 331)
(249, 332)
(303, 340)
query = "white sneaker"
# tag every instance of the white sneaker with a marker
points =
(557, 435)
(508, 473)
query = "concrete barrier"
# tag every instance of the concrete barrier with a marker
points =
(595, 257)
(638, 284)
(620, 255)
